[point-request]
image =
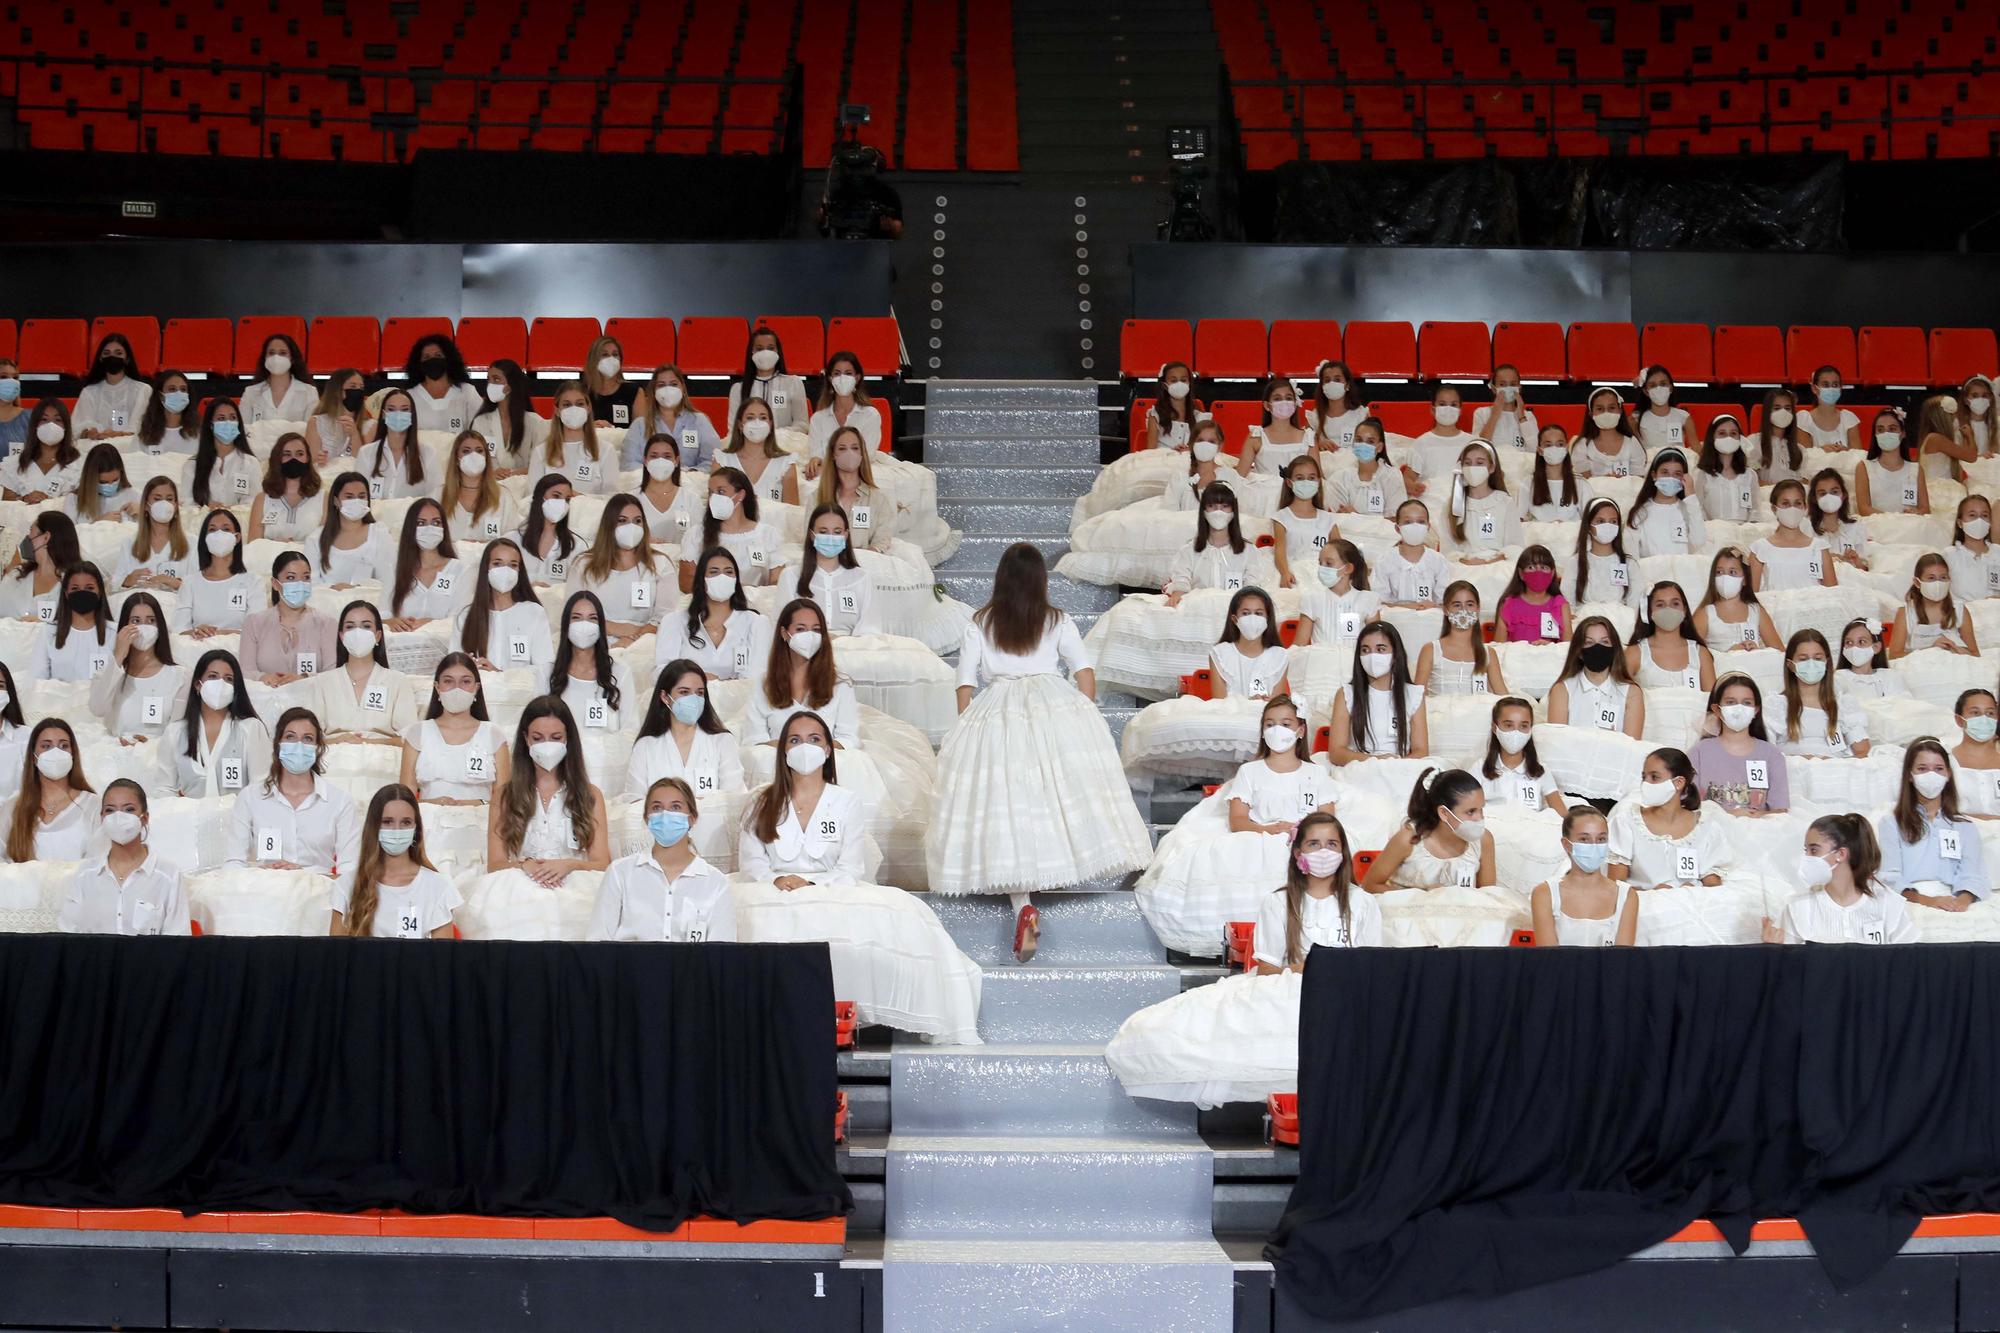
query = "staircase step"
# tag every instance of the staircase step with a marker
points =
(971, 1286)
(1024, 515)
(1249, 1205)
(1069, 1004)
(981, 552)
(1010, 394)
(1040, 1188)
(1014, 1090)
(971, 481)
(1078, 929)
(1055, 423)
(867, 1107)
(1115, 717)
(1010, 452)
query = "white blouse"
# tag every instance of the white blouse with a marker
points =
(1059, 648)
(409, 911)
(1319, 923)
(1381, 739)
(1246, 676)
(288, 522)
(638, 902)
(516, 637)
(743, 650)
(385, 704)
(221, 604)
(461, 772)
(255, 404)
(80, 657)
(830, 844)
(1337, 616)
(1789, 567)
(388, 472)
(634, 596)
(756, 550)
(70, 836)
(232, 480)
(590, 476)
(712, 765)
(845, 597)
(762, 722)
(1288, 797)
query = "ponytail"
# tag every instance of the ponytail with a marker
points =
(1432, 794)
(1850, 833)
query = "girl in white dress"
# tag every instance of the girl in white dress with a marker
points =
(682, 738)
(1930, 617)
(804, 828)
(719, 630)
(1793, 556)
(223, 471)
(350, 548)
(216, 598)
(1272, 792)
(1600, 570)
(1607, 446)
(77, 646)
(1170, 421)
(13, 733)
(456, 754)
(1974, 560)
(572, 448)
(751, 449)
(1458, 661)
(1815, 725)
(1593, 689)
(53, 814)
(218, 746)
(1729, 618)
(1554, 495)
(830, 576)
(1338, 407)
(166, 426)
(1661, 424)
(512, 429)
(1318, 904)
(393, 460)
(362, 701)
(141, 687)
(477, 509)
(1392, 722)
(546, 542)
(105, 493)
(158, 555)
(397, 894)
(1279, 437)
(633, 582)
(691, 432)
(1863, 672)
(1845, 903)
(546, 818)
(1438, 450)
(800, 675)
(1947, 433)
(1724, 481)
(766, 380)
(1069, 817)
(1219, 556)
(1780, 453)
(843, 402)
(504, 625)
(1512, 773)
(295, 819)
(1830, 427)
(292, 504)
(1889, 481)
(1375, 485)
(1976, 757)
(1481, 515)
(48, 464)
(1665, 519)
(1443, 841)
(1411, 573)
(667, 892)
(280, 387)
(1587, 906)
(1506, 422)
(1662, 836)
(872, 513)
(1833, 520)
(669, 505)
(1250, 660)
(335, 428)
(732, 521)
(583, 674)
(429, 580)
(1205, 469)
(1666, 652)
(1304, 522)
(128, 889)
(1335, 606)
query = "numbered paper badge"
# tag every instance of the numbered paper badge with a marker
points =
(1374, 500)
(1529, 792)
(863, 516)
(826, 827)
(239, 600)
(1757, 774)
(690, 441)
(98, 662)
(1687, 866)
(704, 783)
(270, 843)
(849, 604)
(558, 570)
(375, 489)
(1350, 624)
(478, 767)
(642, 594)
(517, 648)
(375, 699)
(308, 663)
(1551, 627)
(443, 584)
(596, 713)
(1479, 682)
(45, 610)
(621, 415)
(585, 471)
(408, 926)
(1948, 844)
(1621, 577)
(152, 710)
(491, 529)
(231, 775)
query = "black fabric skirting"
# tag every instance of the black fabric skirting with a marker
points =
(646, 1082)
(1476, 1121)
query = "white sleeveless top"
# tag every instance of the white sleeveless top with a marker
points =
(1584, 929)
(1653, 676)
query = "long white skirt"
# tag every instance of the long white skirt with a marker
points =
(1030, 795)
(891, 955)
(1234, 1041)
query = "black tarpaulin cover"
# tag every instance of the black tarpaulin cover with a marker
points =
(1476, 1121)
(647, 1082)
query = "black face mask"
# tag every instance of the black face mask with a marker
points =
(1598, 657)
(292, 468)
(111, 365)
(432, 367)
(352, 399)
(83, 602)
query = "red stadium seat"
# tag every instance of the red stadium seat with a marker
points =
(1603, 353)
(141, 331)
(1382, 349)
(1959, 354)
(484, 339)
(1686, 350)
(1534, 349)
(1700, 414)
(253, 330)
(802, 336)
(873, 338)
(400, 334)
(198, 347)
(1411, 419)
(10, 339)
(344, 340)
(54, 347)
(1144, 345)
(1230, 349)
(647, 342)
(1198, 684)
(1894, 358)
(713, 345)
(1454, 350)
(1810, 346)
(557, 344)
(1298, 346)
(1749, 354)
(1235, 418)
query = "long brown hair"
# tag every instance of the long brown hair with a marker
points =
(481, 606)
(488, 494)
(330, 521)
(829, 475)
(274, 469)
(367, 894)
(1829, 698)
(1295, 884)
(1573, 659)
(413, 452)
(63, 613)
(1909, 818)
(408, 556)
(552, 448)
(177, 542)
(820, 675)
(517, 798)
(598, 560)
(774, 800)
(1018, 614)
(27, 808)
(101, 459)
(1852, 835)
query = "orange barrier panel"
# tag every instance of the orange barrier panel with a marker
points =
(826, 1231)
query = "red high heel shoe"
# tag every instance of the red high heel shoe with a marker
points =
(1027, 933)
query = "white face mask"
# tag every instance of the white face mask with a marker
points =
(628, 535)
(1660, 393)
(1604, 532)
(806, 642)
(1606, 420)
(49, 432)
(1513, 742)
(1978, 406)
(1283, 409)
(765, 359)
(1506, 393)
(609, 366)
(473, 464)
(1929, 784)
(574, 416)
(547, 754)
(353, 509)
(503, 578)
(1815, 871)
(1737, 717)
(584, 633)
(1554, 454)
(1652, 795)
(278, 363)
(1305, 488)
(1413, 534)
(1781, 417)
(555, 509)
(1445, 414)
(145, 636)
(1376, 665)
(1280, 739)
(1935, 589)
(1829, 503)
(660, 469)
(756, 430)
(456, 701)
(1218, 518)
(1888, 441)
(1206, 450)
(218, 693)
(1975, 528)
(162, 511)
(670, 395)
(428, 536)
(219, 541)
(1791, 516)
(122, 827)
(1475, 475)
(358, 641)
(54, 763)
(847, 460)
(1252, 626)
(1177, 390)
(1728, 585)
(721, 507)
(496, 390)
(1728, 444)
(843, 385)
(721, 587)
(1335, 390)
(1858, 654)
(806, 758)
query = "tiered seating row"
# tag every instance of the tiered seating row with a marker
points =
(1595, 353)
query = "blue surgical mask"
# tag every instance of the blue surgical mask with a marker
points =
(175, 400)
(107, 489)
(829, 544)
(1589, 856)
(1328, 575)
(1667, 486)
(10, 389)
(689, 708)
(667, 826)
(1828, 397)
(394, 841)
(298, 756)
(1364, 452)
(295, 595)
(396, 419)
(227, 429)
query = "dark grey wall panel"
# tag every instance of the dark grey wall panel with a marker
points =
(203, 279)
(1928, 290)
(92, 1286)
(748, 279)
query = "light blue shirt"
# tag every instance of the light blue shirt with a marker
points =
(1908, 863)
(700, 455)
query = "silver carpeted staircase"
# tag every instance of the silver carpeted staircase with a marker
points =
(1023, 1188)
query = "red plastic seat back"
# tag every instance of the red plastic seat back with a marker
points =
(54, 347)
(1959, 354)
(1603, 353)
(1382, 349)
(1454, 349)
(1686, 350)
(1893, 357)
(1299, 345)
(344, 340)
(253, 330)
(484, 339)
(1810, 346)
(400, 334)
(1230, 349)
(1534, 349)
(874, 338)
(557, 344)
(198, 346)
(647, 341)
(1749, 354)
(713, 345)
(1144, 345)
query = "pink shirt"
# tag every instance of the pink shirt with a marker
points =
(1524, 621)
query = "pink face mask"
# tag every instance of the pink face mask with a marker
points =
(1538, 580)
(1320, 863)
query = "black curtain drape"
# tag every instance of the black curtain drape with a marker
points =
(647, 1082)
(1476, 1121)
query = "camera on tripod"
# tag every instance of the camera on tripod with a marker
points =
(1187, 152)
(857, 204)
